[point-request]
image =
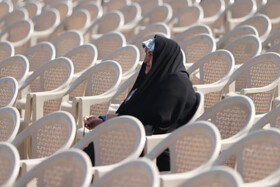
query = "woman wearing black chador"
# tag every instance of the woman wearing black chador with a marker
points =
(162, 97)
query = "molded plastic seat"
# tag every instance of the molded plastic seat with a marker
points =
(9, 160)
(66, 168)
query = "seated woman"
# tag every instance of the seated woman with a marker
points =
(162, 97)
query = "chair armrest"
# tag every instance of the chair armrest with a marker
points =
(269, 87)
(208, 88)
(152, 141)
(28, 164)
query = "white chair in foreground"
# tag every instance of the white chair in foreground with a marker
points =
(192, 148)
(115, 141)
(140, 172)
(9, 162)
(66, 168)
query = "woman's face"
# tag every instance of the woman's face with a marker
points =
(148, 60)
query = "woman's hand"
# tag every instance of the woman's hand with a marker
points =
(90, 122)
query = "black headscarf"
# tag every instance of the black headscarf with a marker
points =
(165, 98)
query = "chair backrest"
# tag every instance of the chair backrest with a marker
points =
(272, 39)
(158, 14)
(177, 5)
(108, 43)
(19, 34)
(151, 29)
(244, 48)
(261, 23)
(16, 66)
(234, 34)
(192, 147)
(109, 22)
(9, 160)
(64, 9)
(39, 54)
(33, 8)
(49, 134)
(214, 67)
(131, 13)
(275, 48)
(256, 155)
(67, 41)
(45, 23)
(9, 123)
(212, 9)
(271, 10)
(260, 71)
(127, 56)
(198, 46)
(114, 5)
(215, 176)
(140, 172)
(179, 22)
(233, 116)
(66, 168)
(15, 15)
(242, 9)
(147, 5)
(192, 31)
(119, 139)
(5, 8)
(83, 57)
(53, 75)
(6, 50)
(78, 20)
(8, 91)
(95, 10)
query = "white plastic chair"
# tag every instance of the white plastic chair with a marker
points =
(9, 123)
(66, 168)
(255, 156)
(196, 47)
(108, 43)
(15, 15)
(261, 23)
(192, 31)
(16, 66)
(109, 22)
(233, 116)
(9, 160)
(116, 141)
(95, 10)
(192, 148)
(177, 5)
(271, 40)
(147, 5)
(39, 54)
(6, 50)
(140, 172)
(19, 34)
(234, 34)
(33, 8)
(213, 68)
(244, 48)
(8, 91)
(212, 9)
(5, 8)
(67, 41)
(64, 9)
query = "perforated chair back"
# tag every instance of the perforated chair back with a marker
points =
(140, 172)
(16, 66)
(9, 159)
(33, 9)
(234, 34)
(108, 43)
(177, 5)
(5, 8)
(95, 10)
(147, 5)
(6, 50)
(201, 138)
(70, 168)
(9, 123)
(126, 137)
(15, 15)
(8, 91)
(49, 134)
(67, 41)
